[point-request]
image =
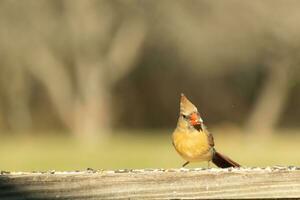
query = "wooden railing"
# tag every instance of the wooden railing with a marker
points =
(243, 183)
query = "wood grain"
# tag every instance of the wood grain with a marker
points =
(244, 183)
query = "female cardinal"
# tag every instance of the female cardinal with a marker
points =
(192, 140)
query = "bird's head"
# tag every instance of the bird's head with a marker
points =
(189, 114)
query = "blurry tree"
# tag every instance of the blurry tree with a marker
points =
(77, 50)
(220, 37)
(273, 96)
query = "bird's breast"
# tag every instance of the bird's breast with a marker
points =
(192, 145)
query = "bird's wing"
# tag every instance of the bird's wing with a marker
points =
(210, 138)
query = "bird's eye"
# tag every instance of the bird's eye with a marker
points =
(184, 116)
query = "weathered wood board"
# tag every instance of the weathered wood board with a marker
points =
(243, 183)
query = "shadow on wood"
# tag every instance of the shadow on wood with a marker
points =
(9, 189)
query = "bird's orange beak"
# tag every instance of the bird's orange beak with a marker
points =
(195, 119)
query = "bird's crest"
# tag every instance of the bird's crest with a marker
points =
(186, 107)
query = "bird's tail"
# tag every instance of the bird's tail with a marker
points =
(223, 161)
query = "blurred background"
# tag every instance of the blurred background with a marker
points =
(96, 83)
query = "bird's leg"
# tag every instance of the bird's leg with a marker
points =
(208, 164)
(187, 162)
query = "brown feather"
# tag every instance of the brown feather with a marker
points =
(210, 139)
(223, 161)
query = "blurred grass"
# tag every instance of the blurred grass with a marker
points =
(142, 149)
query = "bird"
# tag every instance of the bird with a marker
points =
(192, 140)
